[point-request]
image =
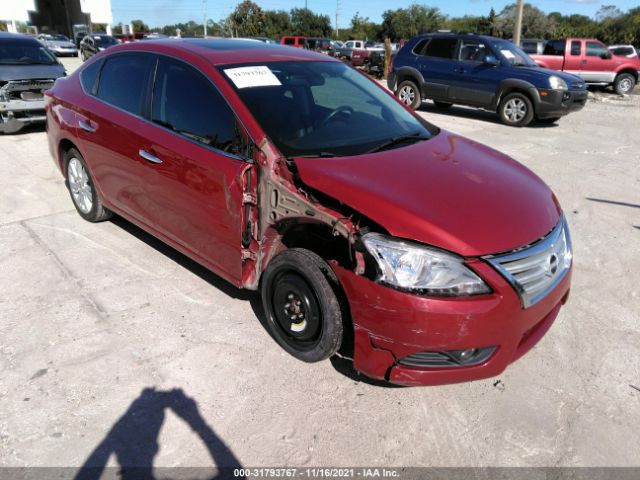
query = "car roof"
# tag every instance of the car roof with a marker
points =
(227, 51)
(486, 38)
(17, 38)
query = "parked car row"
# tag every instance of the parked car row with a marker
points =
(286, 171)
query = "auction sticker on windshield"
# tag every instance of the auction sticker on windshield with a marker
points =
(246, 77)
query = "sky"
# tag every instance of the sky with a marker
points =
(166, 12)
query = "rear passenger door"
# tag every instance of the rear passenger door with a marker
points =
(111, 128)
(194, 181)
(435, 61)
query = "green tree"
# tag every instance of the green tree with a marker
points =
(139, 26)
(534, 22)
(363, 28)
(305, 22)
(277, 23)
(248, 20)
(405, 23)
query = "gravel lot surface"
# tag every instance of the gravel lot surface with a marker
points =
(112, 343)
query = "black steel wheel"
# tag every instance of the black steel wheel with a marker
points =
(300, 300)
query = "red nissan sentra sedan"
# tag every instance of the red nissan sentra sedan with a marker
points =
(426, 257)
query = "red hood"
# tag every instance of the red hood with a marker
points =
(449, 192)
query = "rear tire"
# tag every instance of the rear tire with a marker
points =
(442, 105)
(82, 189)
(409, 94)
(300, 298)
(516, 110)
(624, 83)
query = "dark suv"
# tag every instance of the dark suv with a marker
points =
(483, 72)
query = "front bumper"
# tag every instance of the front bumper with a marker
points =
(390, 325)
(557, 103)
(65, 52)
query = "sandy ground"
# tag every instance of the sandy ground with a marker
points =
(112, 343)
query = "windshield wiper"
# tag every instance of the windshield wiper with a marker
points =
(315, 155)
(400, 139)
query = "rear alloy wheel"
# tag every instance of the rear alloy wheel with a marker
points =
(300, 300)
(516, 110)
(624, 83)
(409, 94)
(80, 184)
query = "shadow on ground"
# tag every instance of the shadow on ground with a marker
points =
(475, 114)
(133, 439)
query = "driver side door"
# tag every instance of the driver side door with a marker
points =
(597, 64)
(474, 82)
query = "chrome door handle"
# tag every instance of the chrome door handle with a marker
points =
(85, 126)
(148, 157)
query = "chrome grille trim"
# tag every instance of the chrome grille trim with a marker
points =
(536, 270)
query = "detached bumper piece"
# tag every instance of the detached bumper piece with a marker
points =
(22, 103)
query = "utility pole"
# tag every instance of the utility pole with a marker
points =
(305, 5)
(337, 13)
(204, 16)
(517, 31)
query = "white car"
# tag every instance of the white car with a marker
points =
(58, 44)
(628, 51)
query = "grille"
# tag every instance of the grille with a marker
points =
(535, 270)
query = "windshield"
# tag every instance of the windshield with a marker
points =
(25, 54)
(104, 41)
(514, 55)
(323, 109)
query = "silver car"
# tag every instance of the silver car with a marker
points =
(58, 44)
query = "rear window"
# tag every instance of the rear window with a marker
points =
(555, 47)
(89, 75)
(124, 79)
(441, 48)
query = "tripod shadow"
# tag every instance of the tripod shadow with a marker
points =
(133, 439)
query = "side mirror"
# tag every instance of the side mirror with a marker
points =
(491, 60)
(606, 55)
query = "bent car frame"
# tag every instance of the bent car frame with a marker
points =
(425, 257)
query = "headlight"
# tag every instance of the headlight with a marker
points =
(429, 271)
(556, 83)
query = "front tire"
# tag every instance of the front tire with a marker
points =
(409, 94)
(516, 110)
(624, 83)
(300, 300)
(82, 188)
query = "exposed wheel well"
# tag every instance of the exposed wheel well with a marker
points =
(629, 71)
(65, 146)
(509, 90)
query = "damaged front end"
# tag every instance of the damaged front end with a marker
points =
(22, 103)
(280, 213)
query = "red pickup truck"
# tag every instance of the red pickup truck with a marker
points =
(591, 60)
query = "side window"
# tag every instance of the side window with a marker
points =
(595, 49)
(123, 81)
(418, 49)
(555, 47)
(88, 77)
(186, 102)
(473, 51)
(576, 47)
(441, 48)
(289, 41)
(349, 44)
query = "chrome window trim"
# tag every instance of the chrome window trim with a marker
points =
(149, 121)
(544, 244)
